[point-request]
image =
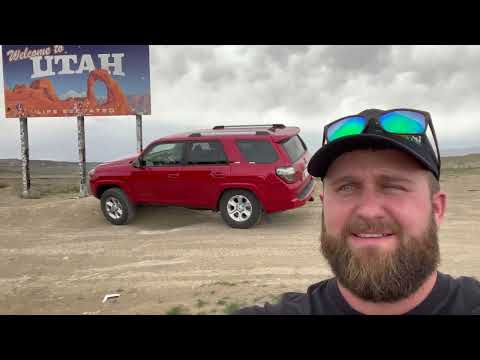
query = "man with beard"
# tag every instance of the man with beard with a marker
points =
(382, 205)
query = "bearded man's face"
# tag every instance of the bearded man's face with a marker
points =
(379, 224)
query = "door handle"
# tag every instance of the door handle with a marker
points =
(173, 176)
(217, 174)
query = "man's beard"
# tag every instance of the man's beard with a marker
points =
(379, 275)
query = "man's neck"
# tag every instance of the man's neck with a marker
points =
(397, 308)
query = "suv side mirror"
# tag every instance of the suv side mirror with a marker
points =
(138, 163)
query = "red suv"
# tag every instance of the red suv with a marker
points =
(241, 171)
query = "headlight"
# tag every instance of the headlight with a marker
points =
(91, 172)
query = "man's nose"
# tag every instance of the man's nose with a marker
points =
(370, 205)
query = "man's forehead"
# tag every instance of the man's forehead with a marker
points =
(382, 162)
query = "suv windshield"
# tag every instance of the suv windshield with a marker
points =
(295, 148)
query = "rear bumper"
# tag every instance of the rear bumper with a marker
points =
(307, 191)
(298, 199)
(304, 195)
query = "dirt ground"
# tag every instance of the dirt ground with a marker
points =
(58, 255)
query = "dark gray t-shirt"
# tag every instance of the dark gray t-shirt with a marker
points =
(449, 296)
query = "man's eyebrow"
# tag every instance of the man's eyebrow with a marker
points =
(383, 178)
(395, 178)
(344, 179)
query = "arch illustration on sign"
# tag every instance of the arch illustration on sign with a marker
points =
(115, 97)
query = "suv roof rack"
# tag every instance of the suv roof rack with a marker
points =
(271, 127)
(207, 133)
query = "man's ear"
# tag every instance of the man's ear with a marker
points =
(322, 194)
(439, 205)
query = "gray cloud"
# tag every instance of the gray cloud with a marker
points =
(218, 74)
(282, 54)
(356, 58)
(171, 63)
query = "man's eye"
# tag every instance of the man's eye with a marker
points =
(393, 187)
(346, 188)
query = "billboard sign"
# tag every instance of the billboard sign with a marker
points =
(75, 80)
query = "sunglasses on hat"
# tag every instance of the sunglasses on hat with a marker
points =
(407, 123)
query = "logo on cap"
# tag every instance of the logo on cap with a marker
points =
(414, 138)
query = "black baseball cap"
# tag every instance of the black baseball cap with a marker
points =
(374, 136)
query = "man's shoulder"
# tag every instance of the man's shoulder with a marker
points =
(290, 303)
(466, 291)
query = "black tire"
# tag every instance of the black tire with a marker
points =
(240, 195)
(122, 202)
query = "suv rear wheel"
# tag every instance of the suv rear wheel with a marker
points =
(116, 207)
(240, 209)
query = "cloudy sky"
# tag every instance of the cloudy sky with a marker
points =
(197, 87)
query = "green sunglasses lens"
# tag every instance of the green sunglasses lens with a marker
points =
(403, 122)
(353, 125)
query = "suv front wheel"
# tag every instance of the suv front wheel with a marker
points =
(116, 207)
(240, 209)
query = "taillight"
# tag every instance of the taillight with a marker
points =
(287, 174)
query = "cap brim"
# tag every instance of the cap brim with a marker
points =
(323, 158)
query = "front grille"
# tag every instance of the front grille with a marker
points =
(302, 194)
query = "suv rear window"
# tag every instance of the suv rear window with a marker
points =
(295, 148)
(258, 151)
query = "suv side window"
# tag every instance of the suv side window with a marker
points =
(257, 151)
(165, 154)
(206, 152)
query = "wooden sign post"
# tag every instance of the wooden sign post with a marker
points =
(139, 133)
(81, 156)
(25, 157)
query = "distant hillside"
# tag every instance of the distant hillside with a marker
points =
(469, 161)
(43, 167)
(49, 167)
(459, 151)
